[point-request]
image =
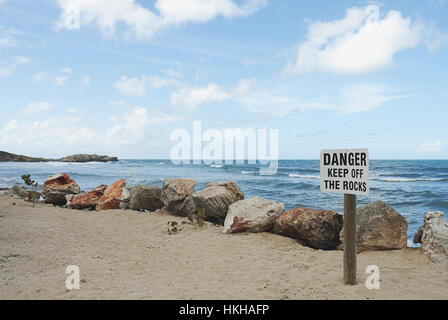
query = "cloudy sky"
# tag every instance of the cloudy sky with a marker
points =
(326, 74)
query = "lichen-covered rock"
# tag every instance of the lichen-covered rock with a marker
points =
(252, 215)
(57, 187)
(145, 198)
(87, 200)
(318, 229)
(379, 227)
(433, 235)
(176, 196)
(216, 198)
(116, 196)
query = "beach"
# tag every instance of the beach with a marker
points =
(124, 254)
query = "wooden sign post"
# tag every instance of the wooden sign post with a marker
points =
(346, 171)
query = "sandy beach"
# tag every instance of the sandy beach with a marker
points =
(124, 254)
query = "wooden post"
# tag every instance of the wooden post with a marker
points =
(350, 239)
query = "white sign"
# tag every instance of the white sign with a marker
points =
(345, 171)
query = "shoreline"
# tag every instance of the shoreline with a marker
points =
(125, 254)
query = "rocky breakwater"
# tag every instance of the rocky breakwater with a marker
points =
(216, 198)
(145, 198)
(57, 187)
(87, 200)
(318, 229)
(433, 235)
(252, 215)
(379, 227)
(177, 196)
(116, 196)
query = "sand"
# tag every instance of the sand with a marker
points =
(129, 255)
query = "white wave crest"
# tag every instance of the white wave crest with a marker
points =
(303, 176)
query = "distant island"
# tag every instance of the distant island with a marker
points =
(11, 157)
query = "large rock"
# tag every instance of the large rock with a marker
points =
(19, 191)
(252, 215)
(379, 227)
(57, 187)
(433, 235)
(216, 198)
(145, 198)
(86, 200)
(176, 196)
(318, 229)
(116, 196)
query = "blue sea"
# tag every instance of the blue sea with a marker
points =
(411, 187)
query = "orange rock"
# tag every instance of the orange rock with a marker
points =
(57, 187)
(116, 196)
(86, 200)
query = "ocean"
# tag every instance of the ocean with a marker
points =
(412, 187)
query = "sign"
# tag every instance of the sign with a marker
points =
(345, 171)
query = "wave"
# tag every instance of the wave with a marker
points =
(248, 172)
(400, 179)
(303, 176)
(217, 166)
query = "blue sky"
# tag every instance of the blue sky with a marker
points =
(326, 74)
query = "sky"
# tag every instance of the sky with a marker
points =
(117, 77)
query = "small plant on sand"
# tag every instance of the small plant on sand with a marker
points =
(32, 195)
(173, 227)
(197, 219)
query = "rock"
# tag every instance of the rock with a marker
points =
(87, 158)
(433, 235)
(86, 200)
(116, 196)
(176, 196)
(57, 187)
(216, 198)
(252, 215)
(19, 191)
(379, 227)
(318, 229)
(145, 198)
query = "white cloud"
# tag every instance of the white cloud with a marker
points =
(40, 76)
(159, 82)
(66, 70)
(362, 41)
(6, 37)
(140, 22)
(175, 11)
(68, 132)
(85, 81)
(430, 147)
(11, 68)
(36, 107)
(192, 97)
(134, 87)
(59, 80)
(351, 98)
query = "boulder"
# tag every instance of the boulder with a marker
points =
(176, 196)
(116, 196)
(433, 235)
(145, 198)
(216, 198)
(379, 227)
(19, 191)
(252, 215)
(87, 200)
(57, 187)
(318, 229)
